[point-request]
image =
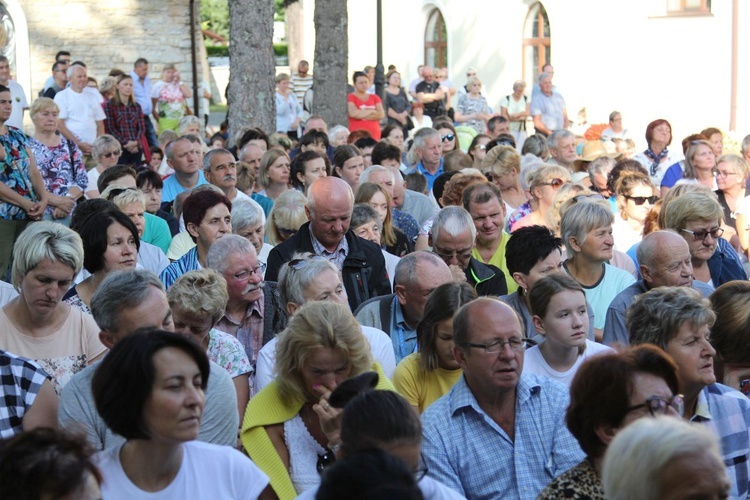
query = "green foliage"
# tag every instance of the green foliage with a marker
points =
(215, 16)
(217, 51)
(280, 49)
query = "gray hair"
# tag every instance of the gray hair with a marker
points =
(645, 448)
(656, 316)
(536, 145)
(364, 213)
(208, 156)
(293, 282)
(584, 216)
(422, 135)
(102, 145)
(246, 212)
(602, 166)
(72, 68)
(365, 175)
(229, 244)
(518, 84)
(454, 221)
(119, 291)
(556, 136)
(335, 131)
(169, 150)
(746, 145)
(406, 269)
(45, 240)
(543, 76)
(243, 152)
(186, 121)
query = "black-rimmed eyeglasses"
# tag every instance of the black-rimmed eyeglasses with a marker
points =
(658, 405)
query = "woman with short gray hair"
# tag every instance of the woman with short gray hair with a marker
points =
(249, 221)
(586, 230)
(106, 152)
(37, 325)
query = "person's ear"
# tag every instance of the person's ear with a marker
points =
(460, 356)
(539, 325)
(573, 242)
(605, 433)
(192, 229)
(301, 177)
(400, 291)
(646, 273)
(291, 308)
(108, 339)
(520, 279)
(308, 213)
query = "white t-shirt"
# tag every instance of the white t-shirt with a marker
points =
(380, 346)
(80, 111)
(93, 176)
(207, 471)
(534, 362)
(19, 103)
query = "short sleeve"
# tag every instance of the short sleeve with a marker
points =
(93, 346)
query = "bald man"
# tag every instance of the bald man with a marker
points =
(664, 260)
(330, 202)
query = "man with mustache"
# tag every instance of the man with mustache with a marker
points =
(220, 169)
(255, 312)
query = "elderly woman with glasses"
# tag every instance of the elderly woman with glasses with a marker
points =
(543, 184)
(679, 320)
(636, 196)
(290, 424)
(609, 392)
(106, 152)
(732, 172)
(586, 230)
(697, 217)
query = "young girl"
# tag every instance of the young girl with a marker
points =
(558, 304)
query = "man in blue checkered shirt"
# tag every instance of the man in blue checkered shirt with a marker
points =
(498, 433)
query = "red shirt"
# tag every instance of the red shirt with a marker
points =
(372, 126)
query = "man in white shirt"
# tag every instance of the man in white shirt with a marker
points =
(17, 95)
(81, 116)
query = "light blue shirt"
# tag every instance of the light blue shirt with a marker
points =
(186, 263)
(551, 109)
(403, 337)
(470, 453)
(142, 93)
(419, 167)
(172, 188)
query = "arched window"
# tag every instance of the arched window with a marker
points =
(536, 43)
(436, 41)
(7, 38)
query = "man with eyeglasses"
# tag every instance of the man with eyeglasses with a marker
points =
(431, 94)
(679, 320)
(399, 313)
(452, 238)
(429, 148)
(62, 60)
(255, 312)
(59, 81)
(498, 433)
(663, 260)
(81, 114)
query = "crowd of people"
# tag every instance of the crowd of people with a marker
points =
(434, 302)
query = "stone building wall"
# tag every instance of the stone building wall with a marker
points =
(111, 34)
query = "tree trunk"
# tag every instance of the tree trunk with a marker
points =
(331, 59)
(252, 70)
(295, 35)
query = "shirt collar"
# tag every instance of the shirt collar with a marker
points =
(702, 410)
(462, 397)
(321, 250)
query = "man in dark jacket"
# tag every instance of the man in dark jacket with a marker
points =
(452, 239)
(329, 207)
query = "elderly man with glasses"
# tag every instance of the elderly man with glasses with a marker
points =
(498, 433)
(452, 239)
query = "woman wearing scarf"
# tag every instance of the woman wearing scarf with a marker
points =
(657, 158)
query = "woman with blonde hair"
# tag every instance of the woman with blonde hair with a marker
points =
(502, 165)
(697, 168)
(286, 217)
(636, 196)
(198, 300)
(543, 185)
(59, 161)
(290, 428)
(274, 173)
(392, 238)
(125, 121)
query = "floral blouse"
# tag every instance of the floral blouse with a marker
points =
(58, 171)
(226, 351)
(170, 101)
(14, 172)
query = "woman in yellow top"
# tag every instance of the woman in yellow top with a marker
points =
(425, 376)
(290, 429)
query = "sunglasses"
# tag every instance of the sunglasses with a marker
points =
(112, 153)
(640, 200)
(555, 183)
(448, 137)
(701, 235)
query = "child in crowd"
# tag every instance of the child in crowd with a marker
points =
(558, 304)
